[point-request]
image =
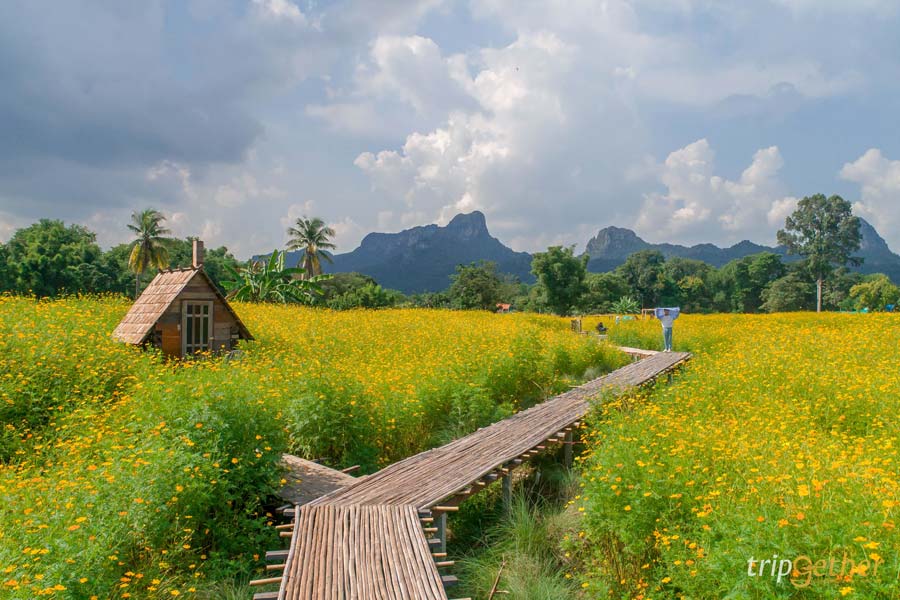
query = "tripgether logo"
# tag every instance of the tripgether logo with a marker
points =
(801, 569)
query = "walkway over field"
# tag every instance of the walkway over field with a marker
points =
(370, 539)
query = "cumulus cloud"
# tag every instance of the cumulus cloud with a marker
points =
(879, 180)
(281, 9)
(551, 117)
(700, 206)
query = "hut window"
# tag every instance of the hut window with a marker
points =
(196, 327)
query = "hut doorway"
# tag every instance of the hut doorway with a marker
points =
(196, 327)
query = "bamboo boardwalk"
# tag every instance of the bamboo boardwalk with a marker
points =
(368, 541)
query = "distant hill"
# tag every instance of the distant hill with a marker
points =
(422, 259)
(612, 245)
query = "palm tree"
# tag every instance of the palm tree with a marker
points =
(150, 246)
(311, 236)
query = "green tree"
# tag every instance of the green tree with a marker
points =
(215, 260)
(270, 281)
(739, 284)
(150, 247)
(836, 291)
(825, 232)
(686, 284)
(48, 257)
(601, 291)
(342, 283)
(312, 238)
(789, 293)
(644, 271)
(560, 276)
(5, 280)
(875, 293)
(476, 286)
(370, 295)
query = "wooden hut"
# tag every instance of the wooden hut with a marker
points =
(182, 312)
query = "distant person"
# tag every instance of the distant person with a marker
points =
(601, 328)
(667, 317)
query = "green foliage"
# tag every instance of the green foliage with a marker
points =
(825, 232)
(216, 261)
(644, 272)
(370, 295)
(478, 286)
(601, 292)
(626, 305)
(686, 284)
(430, 300)
(836, 293)
(270, 281)
(327, 423)
(560, 277)
(5, 283)
(875, 293)
(789, 293)
(740, 283)
(49, 258)
(312, 238)
(150, 248)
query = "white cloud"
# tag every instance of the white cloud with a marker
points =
(879, 203)
(700, 206)
(281, 9)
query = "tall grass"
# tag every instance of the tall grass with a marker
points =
(781, 438)
(126, 476)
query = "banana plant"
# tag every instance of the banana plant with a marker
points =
(626, 305)
(270, 281)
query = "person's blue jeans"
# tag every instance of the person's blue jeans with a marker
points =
(667, 337)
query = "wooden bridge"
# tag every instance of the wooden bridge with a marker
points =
(383, 536)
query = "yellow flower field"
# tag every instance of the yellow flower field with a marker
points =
(124, 476)
(778, 443)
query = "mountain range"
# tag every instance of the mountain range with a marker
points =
(422, 259)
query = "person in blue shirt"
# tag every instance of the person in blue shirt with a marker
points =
(667, 317)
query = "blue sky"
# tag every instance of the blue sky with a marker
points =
(686, 120)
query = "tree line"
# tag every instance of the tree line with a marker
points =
(50, 258)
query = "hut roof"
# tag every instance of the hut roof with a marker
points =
(137, 325)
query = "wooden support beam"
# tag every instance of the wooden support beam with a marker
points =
(266, 596)
(286, 534)
(439, 554)
(285, 526)
(275, 567)
(430, 529)
(567, 452)
(273, 555)
(446, 508)
(507, 490)
(449, 580)
(350, 469)
(445, 563)
(442, 531)
(266, 581)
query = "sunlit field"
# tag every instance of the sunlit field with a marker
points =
(124, 476)
(781, 438)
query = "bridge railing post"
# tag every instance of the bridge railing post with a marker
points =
(567, 449)
(442, 530)
(507, 490)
